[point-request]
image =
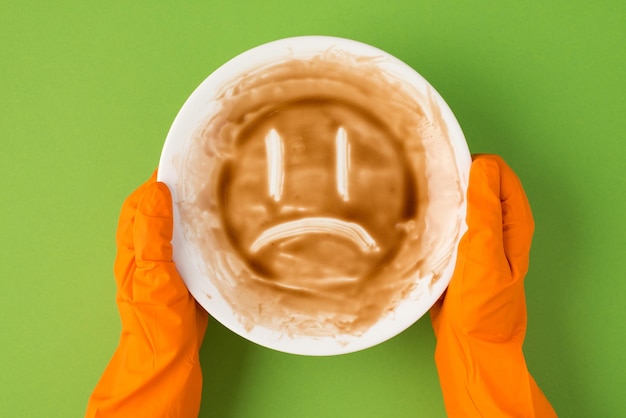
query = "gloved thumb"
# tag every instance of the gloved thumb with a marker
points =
(156, 280)
(154, 225)
(498, 212)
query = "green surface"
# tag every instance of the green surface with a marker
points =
(89, 90)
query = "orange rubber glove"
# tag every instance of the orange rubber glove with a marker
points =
(155, 370)
(480, 323)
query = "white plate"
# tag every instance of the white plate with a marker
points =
(267, 311)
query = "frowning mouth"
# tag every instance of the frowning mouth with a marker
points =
(317, 225)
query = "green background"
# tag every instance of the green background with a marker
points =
(90, 88)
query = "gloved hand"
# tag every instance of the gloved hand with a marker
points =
(155, 370)
(480, 323)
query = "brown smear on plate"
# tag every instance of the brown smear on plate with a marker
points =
(320, 194)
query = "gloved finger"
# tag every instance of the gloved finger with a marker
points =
(125, 258)
(517, 220)
(156, 280)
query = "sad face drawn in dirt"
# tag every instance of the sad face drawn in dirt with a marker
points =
(315, 191)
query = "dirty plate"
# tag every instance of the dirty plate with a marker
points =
(319, 195)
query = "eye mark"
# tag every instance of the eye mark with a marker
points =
(275, 164)
(342, 155)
